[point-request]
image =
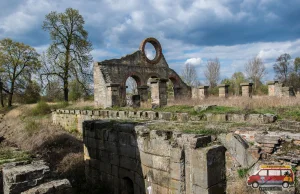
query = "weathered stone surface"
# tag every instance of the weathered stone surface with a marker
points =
(238, 148)
(162, 161)
(223, 90)
(52, 187)
(18, 177)
(216, 117)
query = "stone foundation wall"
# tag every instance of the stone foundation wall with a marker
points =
(133, 158)
(73, 119)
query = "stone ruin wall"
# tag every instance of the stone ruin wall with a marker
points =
(73, 119)
(110, 78)
(132, 158)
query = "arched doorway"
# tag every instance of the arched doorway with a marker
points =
(174, 83)
(130, 91)
(127, 186)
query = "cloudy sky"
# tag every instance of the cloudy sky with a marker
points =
(190, 31)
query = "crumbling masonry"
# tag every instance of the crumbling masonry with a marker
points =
(131, 158)
(110, 78)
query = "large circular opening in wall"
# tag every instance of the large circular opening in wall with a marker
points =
(149, 55)
(150, 51)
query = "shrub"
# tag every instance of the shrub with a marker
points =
(243, 172)
(42, 108)
(31, 127)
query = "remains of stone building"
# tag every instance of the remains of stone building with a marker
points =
(134, 159)
(223, 90)
(278, 89)
(246, 89)
(110, 78)
(29, 178)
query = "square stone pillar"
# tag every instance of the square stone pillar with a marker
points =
(158, 92)
(271, 88)
(223, 90)
(113, 95)
(203, 92)
(246, 89)
(143, 92)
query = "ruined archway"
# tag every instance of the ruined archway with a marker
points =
(110, 77)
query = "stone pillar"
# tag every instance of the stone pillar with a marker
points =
(158, 92)
(203, 92)
(143, 92)
(247, 89)
(271, 88)
(113, 95)
(223, 90)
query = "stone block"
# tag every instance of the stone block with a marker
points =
(18, 177)
(238, 148)
(216, 117)
(123, 114)
(56, 186)
(129, 163)
(127, 139)
(127, 150)
(208, 166)
(165, 116)
(182, 117)
(236, 117)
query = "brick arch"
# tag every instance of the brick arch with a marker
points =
(175, 80)
(136, 76)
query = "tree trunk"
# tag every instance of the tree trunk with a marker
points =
(66, 91)
(10, 94)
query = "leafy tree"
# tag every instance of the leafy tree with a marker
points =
(237, 78)
(16, 60)
(189, 75)
(255, 71)
(68, 57)
(297, 65)
(212, 72)
(32, 92)
(282, 67)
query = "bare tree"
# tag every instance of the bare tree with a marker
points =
(189, 75)
(282, 67)
(212, 72)
(255, 70)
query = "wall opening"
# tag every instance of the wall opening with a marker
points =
(127, 186)
(131, 87)
(170, 91)
(150, 51)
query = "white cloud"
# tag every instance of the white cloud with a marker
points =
(194, 61)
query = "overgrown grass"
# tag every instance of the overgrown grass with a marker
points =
(192, 127)
(59, 105)
(31, 127)
(11, 155)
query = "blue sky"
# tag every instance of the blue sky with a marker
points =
(190, 31)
